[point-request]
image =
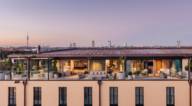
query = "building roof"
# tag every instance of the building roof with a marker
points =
(114, 52)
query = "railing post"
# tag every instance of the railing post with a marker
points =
(11, 70)
(49, 61)
(189, 80)
(88, 63)
(189, 69)
(125, 66)
(28, 68)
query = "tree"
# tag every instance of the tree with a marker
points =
(6, 64)
(189, 66)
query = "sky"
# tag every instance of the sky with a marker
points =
(61, 22)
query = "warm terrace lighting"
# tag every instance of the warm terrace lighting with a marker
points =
(95, 53)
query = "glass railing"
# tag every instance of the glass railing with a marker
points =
(5, 75)
(90, 75)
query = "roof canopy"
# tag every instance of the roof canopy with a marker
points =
(114, 52)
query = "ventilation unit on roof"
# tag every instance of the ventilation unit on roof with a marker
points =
(178, 43)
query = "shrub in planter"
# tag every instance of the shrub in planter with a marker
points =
(137, 73)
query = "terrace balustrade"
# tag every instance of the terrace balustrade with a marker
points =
(83, 69)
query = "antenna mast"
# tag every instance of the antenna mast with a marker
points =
(27, 40)
(178, 43)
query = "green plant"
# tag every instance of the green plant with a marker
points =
(54, 65)
(189, 67)
(137, 72)
(130, 73)
(144, 73)
(6, 65)
(19, 68)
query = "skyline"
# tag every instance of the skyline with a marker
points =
(95, 52)
(58, 23)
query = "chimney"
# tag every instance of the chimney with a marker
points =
(110, 43)
(93, 43)
(27, 40)
(70, 45)
(38, 49)
(178, 43)
(74, 44)
(126, 44)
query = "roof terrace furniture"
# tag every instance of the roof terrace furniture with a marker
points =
(17, 77)
(2, 75)
(97, 75)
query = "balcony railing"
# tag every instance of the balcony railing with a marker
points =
(91, 75)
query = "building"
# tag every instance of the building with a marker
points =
(131, 76)
(4, 52)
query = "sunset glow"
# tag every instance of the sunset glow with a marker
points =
(57, 23)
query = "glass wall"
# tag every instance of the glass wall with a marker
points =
(5, 69)
(160, 68)
(19, 69)
(69, 69)
(97, 65)
(115, 65)
(39, 69)
(64, 69)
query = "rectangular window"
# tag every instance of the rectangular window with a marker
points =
(12, 96)
(62, 96)
(113, 96)
(139, 96)
(37, 96)
(170, 95)
(88, 96)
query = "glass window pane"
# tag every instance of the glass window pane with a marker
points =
(37, 96)
(87, 96)
(170, 94)
(139, 96)
(12, 96)
(113, 96)
(62, 96)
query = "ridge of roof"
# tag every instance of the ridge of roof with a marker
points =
(120, 48)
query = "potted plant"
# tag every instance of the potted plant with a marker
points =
(144, 73)
(5, 67)
(189, 67)
(130, 75)
(20, 69)
(137, 73)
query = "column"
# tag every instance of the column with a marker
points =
(28, 68)
(49, 67)
(125, 64)
(71, 65)
(189, 71)
(106, 64)
(88, 64)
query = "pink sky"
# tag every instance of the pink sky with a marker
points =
(57, 23)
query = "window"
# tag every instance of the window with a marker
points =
(12, 96)
(87, 96)
(37, 96)
(139, 96)
(170, 95)
(62, 96)
(113, 96)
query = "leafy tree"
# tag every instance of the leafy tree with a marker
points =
(189, 67)
(6, 64)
